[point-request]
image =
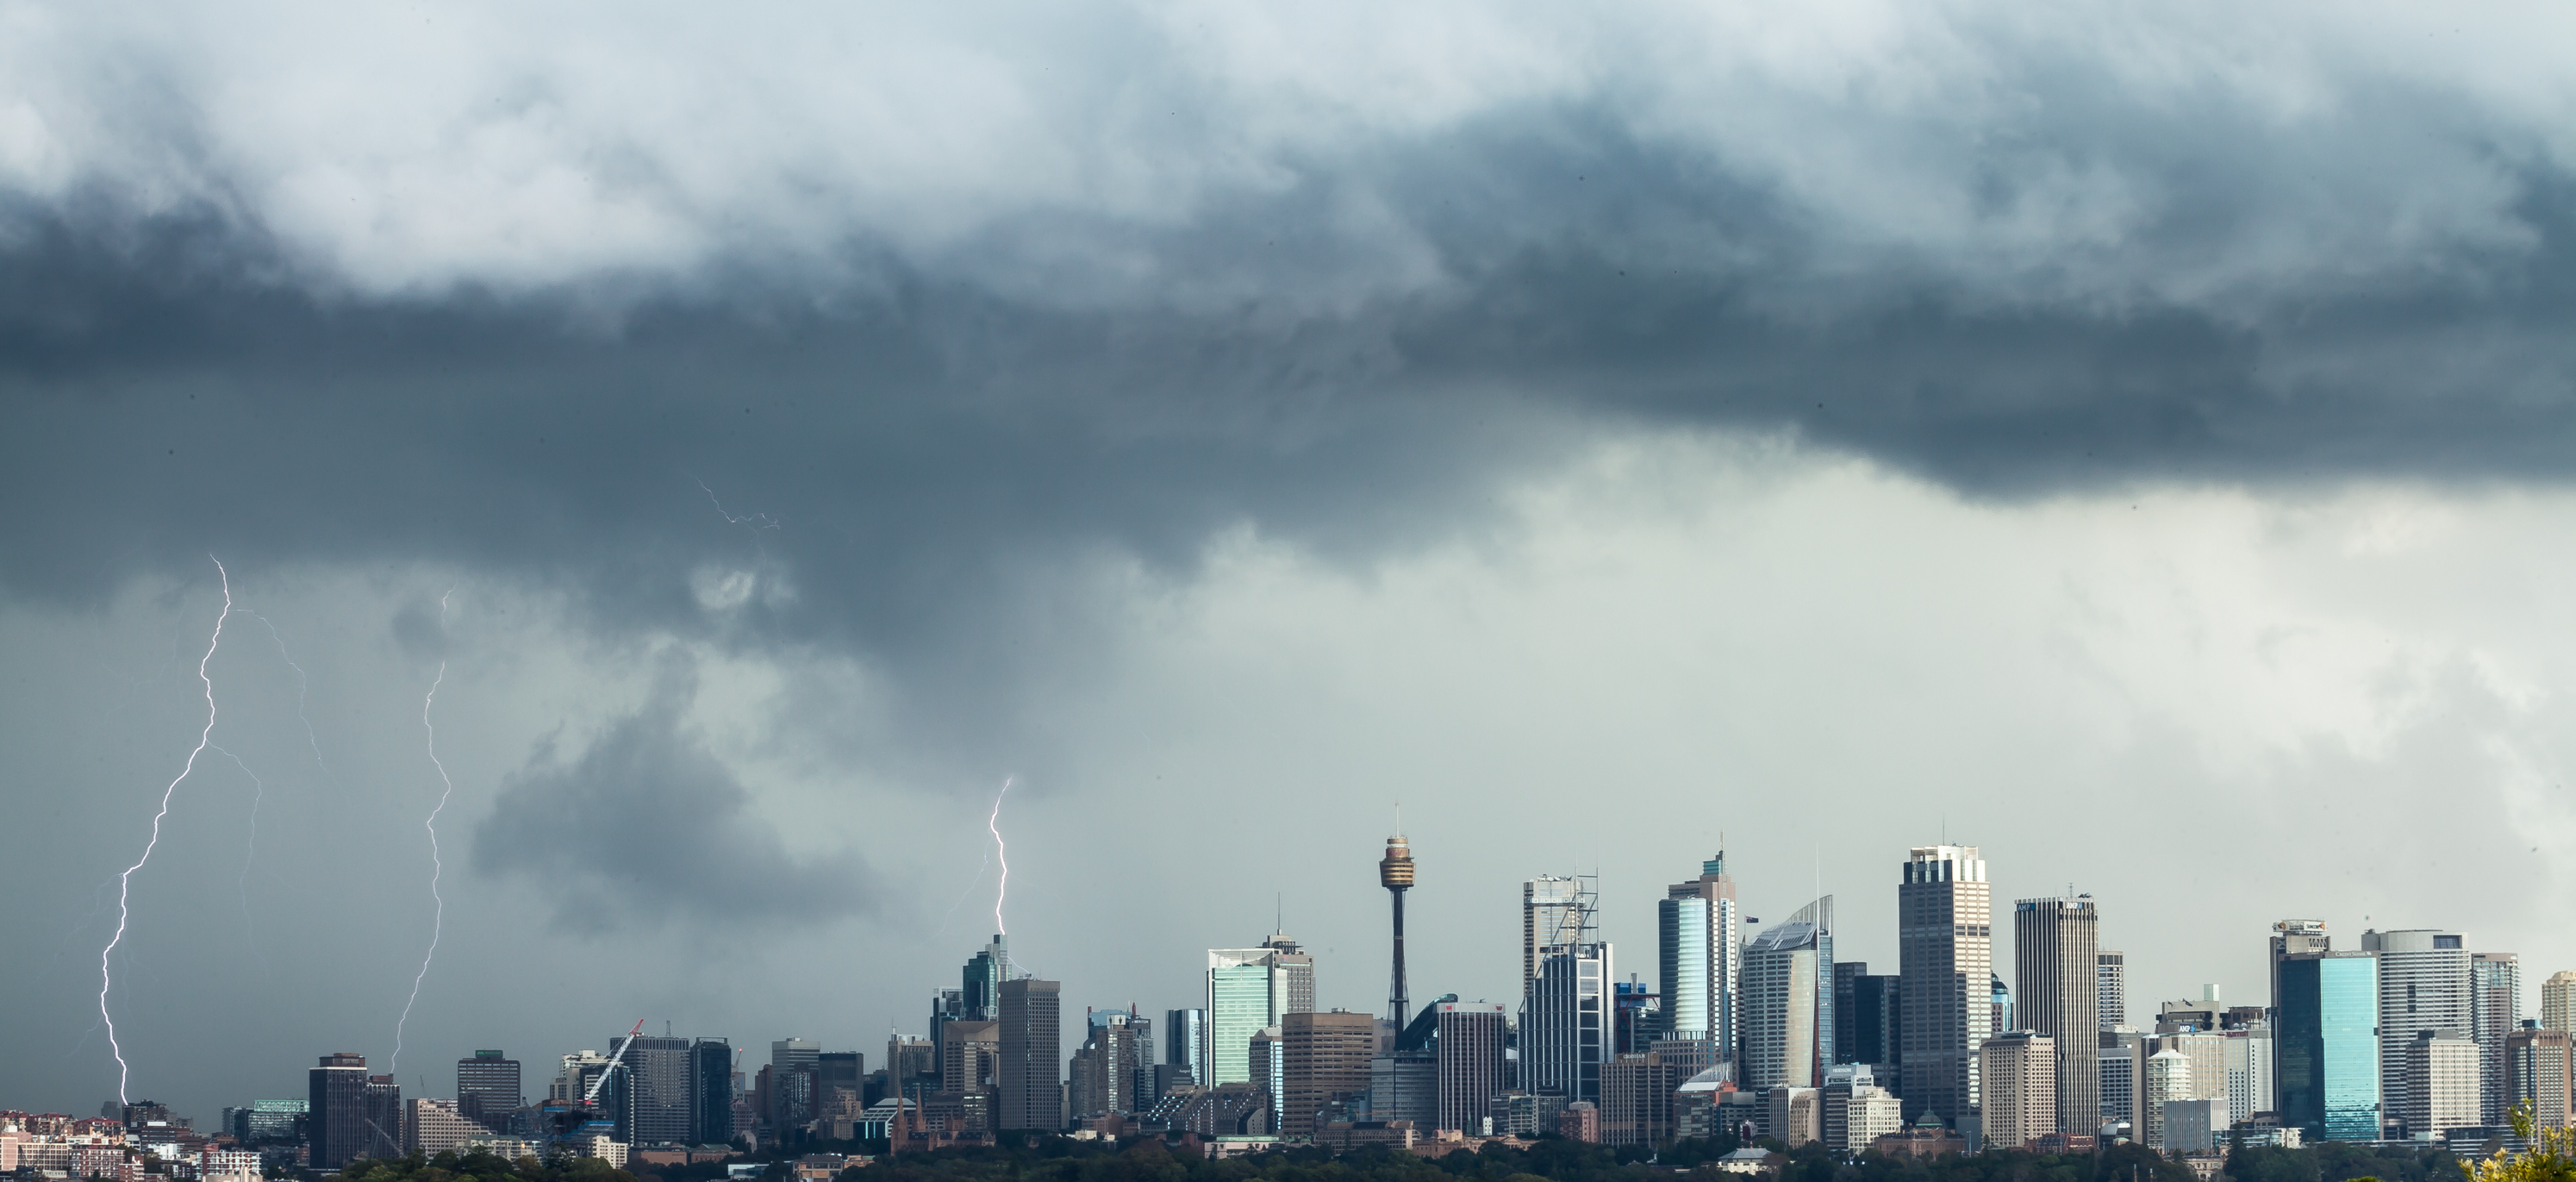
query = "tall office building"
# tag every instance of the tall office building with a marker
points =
(1185, 1041)
(1554, 913)
(2495, 1012)
(2423, 985)
(2022, 1087)
(711, 1091)
(2441, 1083)
(2111, 989)
(1113, 1069)
(1865, 1016)
(2057, 960)
(336, 1111)
(2326, 1044)
(2295, 937)
(1945, 960)
(1030, 1074)
(1565, 1023)
(1699, 955)
(657, 1092)
(1300, 965)
(1472, 1066)
(971, 1058)
(2558, 1002)
(2540, 1070)
(982, 980)
(1247, 992)
(1324, 1057)
(1786, 1039)
(2167, 1076)
(386, 1132)
(488, 1089)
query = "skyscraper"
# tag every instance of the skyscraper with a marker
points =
(1031, 1071)
(2057, 962)
(2022, 1087)
(2295, 937)
(1247, 992)
(1470, 1049)
(1565, 1023)
(1945, 959)
(1554, 913)
(2111, 989)
(488, 1089)
(711, 1091)
(2423, 985)
(2558, 1002)
(1292, 956)
(657, 1094)
(2326, 1045)
(1699, 955)
(1323, 1057)
(2441, 1083)
(336, 1111)
(1185, 1041)
(1395, 873)
(2495, 1012)
(1865, 1016)
(1786, 1043)
(385, 1131)
(2541, 1067)
(1112, 1070)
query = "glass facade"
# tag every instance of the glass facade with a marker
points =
(2328, 1045)
(1246, 993)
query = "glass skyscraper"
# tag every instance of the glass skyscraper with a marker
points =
(2328, 1044)
(1247, 992)
(1699, 958)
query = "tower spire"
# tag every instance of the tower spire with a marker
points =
(1395, 873)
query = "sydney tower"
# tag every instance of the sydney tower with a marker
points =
(1395, 873)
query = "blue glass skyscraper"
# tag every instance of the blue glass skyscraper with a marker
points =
(2328, 1008)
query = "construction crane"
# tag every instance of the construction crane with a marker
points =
(590, 1099)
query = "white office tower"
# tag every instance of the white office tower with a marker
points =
(1247, 993)
(1699, 952)
(2019, 1076)
(2495, 1012)
(2249, 1073)
(2441, 1083)
(2423, 985)
(1788, 979)
(2558, 1001)
(2111, 989)
(2168, 1077)
(1945, 968)
(1856, 1110)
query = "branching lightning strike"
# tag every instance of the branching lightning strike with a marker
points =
(125, 881)
(438, 916)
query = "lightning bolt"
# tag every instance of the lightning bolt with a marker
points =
(251, 853)
(303, 688)
(124, 882)
(1002, 854)
(438, 917)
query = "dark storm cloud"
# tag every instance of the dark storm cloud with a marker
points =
(647, 828)
(2040, 276)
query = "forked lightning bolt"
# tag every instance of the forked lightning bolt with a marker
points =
(106, 977)
(438, 917)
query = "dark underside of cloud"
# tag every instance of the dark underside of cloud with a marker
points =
(646, 829)
(939, 450)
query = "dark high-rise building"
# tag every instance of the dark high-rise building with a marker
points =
(336, 1111)
(1112, 1070)
(1640, 1017)
(795, 1068)
(657, 1099)
(711, 1091)
(1470, 1049)
(1031, 1072)
(2057, 959)
(384, 1118)
(1566, 1024)
(1395, 873)
(1185, 1041)
(2495, 1013)
(488, 1089)
(2110, 990)
(1324, 1057)
(1945, 957)
(2326, 1043)
(1868, 1020)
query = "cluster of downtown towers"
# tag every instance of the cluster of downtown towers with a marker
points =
(2411, 1036)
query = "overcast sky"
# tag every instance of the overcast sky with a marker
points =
(2137, 442)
